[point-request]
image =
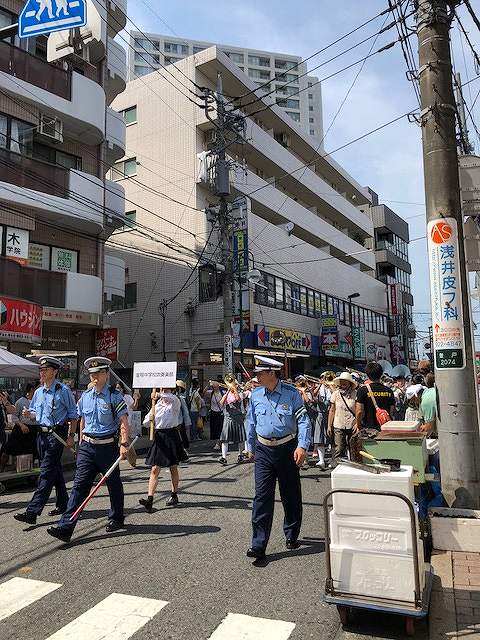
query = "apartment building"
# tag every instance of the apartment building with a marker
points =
(317, 265)
(393, 268)
(297, 93)
(58, 138)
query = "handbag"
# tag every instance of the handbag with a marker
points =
(381, 415)
(200, 424)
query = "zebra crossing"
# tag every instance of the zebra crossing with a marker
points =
(119, 616)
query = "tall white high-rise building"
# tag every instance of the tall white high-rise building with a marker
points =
(297, 93)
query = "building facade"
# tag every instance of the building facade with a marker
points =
(58, 138)
(297, 93)
(300, 227)
(390, 242)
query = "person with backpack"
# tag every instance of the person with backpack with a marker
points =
(341, 416)
(103, 416)
(375, 404)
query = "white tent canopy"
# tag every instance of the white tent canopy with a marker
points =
(12, 366)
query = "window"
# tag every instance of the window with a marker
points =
(293, 115)
(124, 169)
(286, 90)
(310, 84)
(295, 298)
(6, 19)
(288, 296)
(55, 156)
(284, 64)
(38, 256)
(207, 283)
(141, 71)
(287, 77)
(289, 103)
(312, 132)
(130, 295)
(130, 115)
(270, 282)
(173, 47)
(303, 301)
(318, 307)
(311, 120)
(279, 293)
(235, 57)
(259, 75)
(311, 303)
(198, 49)
(259, 61)
(16, 135)
(310, 108)
(141, 42)
(310, 96)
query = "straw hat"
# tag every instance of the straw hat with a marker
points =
(181, 384)
(347, 377)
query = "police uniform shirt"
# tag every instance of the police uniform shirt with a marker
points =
(96, 409)
(276, 414)
(53, 405)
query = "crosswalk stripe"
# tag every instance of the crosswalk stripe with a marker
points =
(18, 593)
(239, 627)
(116, 618)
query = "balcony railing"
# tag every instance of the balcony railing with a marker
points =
(27, 172)
(42, 74)
(46, 288)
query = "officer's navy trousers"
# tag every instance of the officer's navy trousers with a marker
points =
(91, 460)
(51, 473)
(272, 464)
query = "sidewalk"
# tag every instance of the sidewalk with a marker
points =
(455, 605)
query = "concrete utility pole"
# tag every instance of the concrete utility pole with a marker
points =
(452, 334)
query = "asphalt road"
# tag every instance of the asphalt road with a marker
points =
(191, 556)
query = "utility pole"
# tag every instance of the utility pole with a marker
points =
(452, 333)
(229, 128)
(162, 309)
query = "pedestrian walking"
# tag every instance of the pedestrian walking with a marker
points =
(103, 414)
(341, 416)
(53, 408)
(233, 422)
(184, 416)
(195, 403)
(216, 414)
(167, 450)
(278, 436)
(322, 394)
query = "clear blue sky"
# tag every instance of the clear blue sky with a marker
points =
(389, 161)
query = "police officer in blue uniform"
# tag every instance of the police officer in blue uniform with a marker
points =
(53, 408)
(103, 413)
(278, 436)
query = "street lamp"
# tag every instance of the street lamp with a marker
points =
(350, 320)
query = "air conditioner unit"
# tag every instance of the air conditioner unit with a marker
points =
(51, 128)
(211, 137)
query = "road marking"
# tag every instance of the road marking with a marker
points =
(116, 618)
(239, 627)
(18, 593)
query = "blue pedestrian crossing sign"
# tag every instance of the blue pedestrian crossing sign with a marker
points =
(44, 16)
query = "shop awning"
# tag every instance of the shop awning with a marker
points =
(12, 366)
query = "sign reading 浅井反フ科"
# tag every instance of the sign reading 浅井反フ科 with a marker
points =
(446, 294)
(45, 16)
(149, 375)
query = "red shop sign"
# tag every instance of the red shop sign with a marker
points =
(20, 321)
(106, 343)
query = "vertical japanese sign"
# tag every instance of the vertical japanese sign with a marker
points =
(393, 300)
(329, 336)
(359, 343)
(446, 294)
(106, 343)
(16, 244)
(228, 354)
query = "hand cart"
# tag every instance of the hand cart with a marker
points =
(410, 611)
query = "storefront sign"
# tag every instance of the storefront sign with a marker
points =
(16, 244)
(359, 343)
(446, 294)
(39, 256)
(70, 317)
(150, 375)
(294, 340)
(64, 260)
(393, 299)
(182, 358)
(106, 343)
(20, 321)
(329, 325)
(344, 348)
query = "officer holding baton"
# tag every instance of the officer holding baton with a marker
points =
(103, 414)
(278, 436)
(53, 408)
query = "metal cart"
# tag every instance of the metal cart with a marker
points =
(410, 611)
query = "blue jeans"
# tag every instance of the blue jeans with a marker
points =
(193, 426)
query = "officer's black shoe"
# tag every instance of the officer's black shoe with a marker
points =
(27, 517)
(223, 461)
(148, 504)
(59, 533)
(172, 501)
(292, 544)
(113, 525)
(56, 512)
(258, 554)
